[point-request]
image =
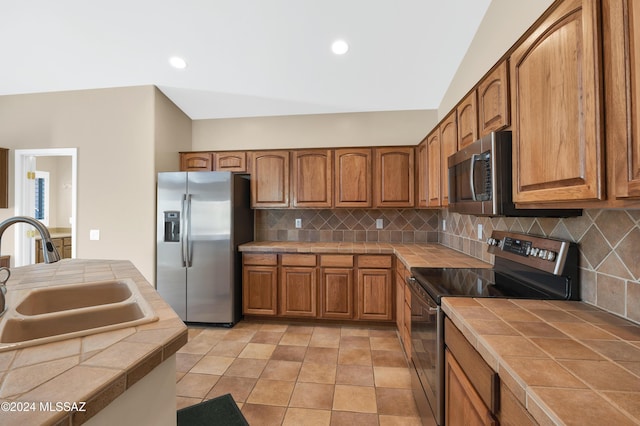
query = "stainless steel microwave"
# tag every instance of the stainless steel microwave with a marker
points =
(480, 180)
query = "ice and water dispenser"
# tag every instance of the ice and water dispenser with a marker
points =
(172, 226)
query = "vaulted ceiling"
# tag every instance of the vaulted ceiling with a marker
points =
(244, 57)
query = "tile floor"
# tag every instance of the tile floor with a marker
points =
(298, 374)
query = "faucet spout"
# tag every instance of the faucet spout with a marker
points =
(49, 252)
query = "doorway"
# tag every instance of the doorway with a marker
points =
(29, 191)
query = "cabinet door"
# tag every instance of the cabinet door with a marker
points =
(449, 141)
(622, 93)
(270, 179)
(422, 174)
(298, 291)
(493, 100)
(196, 162)
(232, 161)
(467, 121)
(375, 294)
(394, 177)
(433, 157)
(556, 109)
(400, 304)
(259, 290)
(312, 178)
(463, 406)
(353, 177)
(336, 293)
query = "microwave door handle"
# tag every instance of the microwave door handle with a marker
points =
(472, 185)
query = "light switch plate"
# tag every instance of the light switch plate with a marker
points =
(298, 223)
(379, 224)
(444, 225)
(480, 231)
(94, 234)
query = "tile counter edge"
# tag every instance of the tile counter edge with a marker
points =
(117, 359)
(493, 325)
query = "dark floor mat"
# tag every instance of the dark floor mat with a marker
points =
(218, 411)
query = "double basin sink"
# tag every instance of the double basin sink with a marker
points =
(49, 314)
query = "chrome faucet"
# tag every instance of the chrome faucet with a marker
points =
(49, 252)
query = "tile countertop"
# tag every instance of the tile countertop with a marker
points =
(94, 369)
(412, 255)
(567, 362)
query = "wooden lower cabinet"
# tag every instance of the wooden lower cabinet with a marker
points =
(374, 294)
(260, 290)
(62, 244)
(260, 284)
(336, 288)
(463, 405)
(298, 291)
(327, 286)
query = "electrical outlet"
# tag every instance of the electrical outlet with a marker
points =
(94, 234)
(379, 224)
(298, 223)
(480, 231)
(444, 225)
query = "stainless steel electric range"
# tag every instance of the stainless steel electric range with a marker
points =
(526, 267)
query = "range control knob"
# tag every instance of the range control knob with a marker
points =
(542, 254)
(534, 251)
(551, 256)
(493, 242)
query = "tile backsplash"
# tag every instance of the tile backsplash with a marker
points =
(609, 240)
(609, 243)
(352, 225)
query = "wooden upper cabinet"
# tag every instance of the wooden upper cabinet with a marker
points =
(433, 169)
(230, 161)
(270, 179)
(556, 109)
(422, 177)
(312, 178)
(622, 95)
(493, 100)
(394, 177)
(449, 146)
(467, 121)
(353, 177)
(196, 161)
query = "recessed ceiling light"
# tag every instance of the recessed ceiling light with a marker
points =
(177, 62)
(339, 47)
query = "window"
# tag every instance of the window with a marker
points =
(41, 197)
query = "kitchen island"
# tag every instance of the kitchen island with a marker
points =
(123, 376)
(567, 363)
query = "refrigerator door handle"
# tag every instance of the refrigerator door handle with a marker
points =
(183, 238)
(189, 243)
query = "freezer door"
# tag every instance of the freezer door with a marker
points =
(209, 251)
(171, 276)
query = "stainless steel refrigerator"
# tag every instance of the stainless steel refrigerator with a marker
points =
(202, 218)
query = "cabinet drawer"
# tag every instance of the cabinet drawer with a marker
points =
(374, 261)
(481, 376)
(336, 260)
(298, 259)
(267, 259)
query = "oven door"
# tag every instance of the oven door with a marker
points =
(427, 353)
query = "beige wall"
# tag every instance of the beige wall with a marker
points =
(113, 130)
(172, 133)
(502, 25)
(312, 131)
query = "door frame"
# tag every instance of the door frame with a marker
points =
(22, 244)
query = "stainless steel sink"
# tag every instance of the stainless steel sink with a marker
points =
(48, 314)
